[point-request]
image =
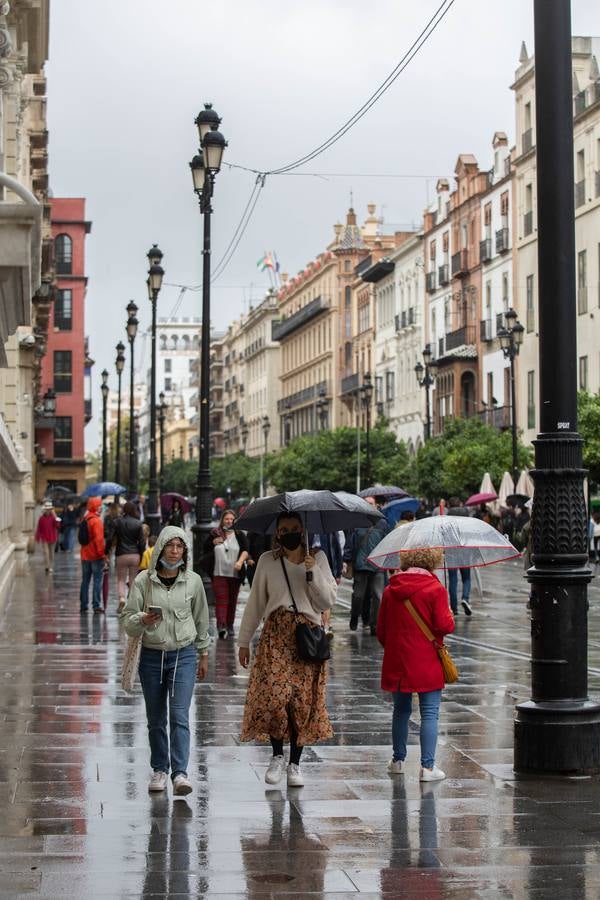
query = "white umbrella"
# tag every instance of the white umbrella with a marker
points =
(466, 542)
(507, 487)
(487, 486)
(525, 484)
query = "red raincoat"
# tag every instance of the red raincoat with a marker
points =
(410, 661)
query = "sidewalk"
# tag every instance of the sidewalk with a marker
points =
(78, 821)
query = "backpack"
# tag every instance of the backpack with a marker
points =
(83, 533)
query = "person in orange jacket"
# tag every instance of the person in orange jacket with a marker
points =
(92, 556)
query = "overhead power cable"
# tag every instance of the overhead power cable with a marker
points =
(241, 228)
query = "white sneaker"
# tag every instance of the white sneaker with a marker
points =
(275, 770)
(158, 782)
(467, 607)
(396, 767)
(433, 774)
(294, 776)
(182, 785)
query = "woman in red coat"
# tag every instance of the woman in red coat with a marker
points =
(410, 661)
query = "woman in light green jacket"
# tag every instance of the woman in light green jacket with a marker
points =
(167, 606)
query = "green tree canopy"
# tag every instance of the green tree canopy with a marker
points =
(456, 461)
(238, 472)
(588, 413)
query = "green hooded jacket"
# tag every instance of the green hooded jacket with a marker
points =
(184, 606)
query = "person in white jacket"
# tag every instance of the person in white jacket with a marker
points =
(286, 696)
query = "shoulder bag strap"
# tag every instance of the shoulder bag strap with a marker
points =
(420, 622)
(288, 584)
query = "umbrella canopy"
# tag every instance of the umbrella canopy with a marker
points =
(466, 542)
(394, 509)
(525, 484)
(166, 502)
(507, 486)
(103, 489)
(482, 497)
(320, 511)
(487, 486)
(388, 491)
(517, 499)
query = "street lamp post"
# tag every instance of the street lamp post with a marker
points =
(155, 277)
(558, 730)
(162, 409)
(287, 422)
(366, 394)
(426, 379)
(104, 388)
(205, 167)
(119, 365)
(322, 406)
(131, 328)
(266, 427)
(511, 339)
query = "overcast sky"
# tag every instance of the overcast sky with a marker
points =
(126, 79)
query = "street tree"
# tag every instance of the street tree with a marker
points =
(588, 416)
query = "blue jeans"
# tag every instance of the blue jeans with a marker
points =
(465, 575)
(91, 568)
(68, 540)
(429, 705)
(168, 683)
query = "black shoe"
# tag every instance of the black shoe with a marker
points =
(373, 631)
(98, 610)
(353, 624)
(83, 610)
(223, 633)
(467, 607)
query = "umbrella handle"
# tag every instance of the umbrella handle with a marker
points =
(309, 575)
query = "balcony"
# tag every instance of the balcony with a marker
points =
(302, 397)
(285, 327)
(411, 320)
(430, 282)
(579, 193)
(461, 338)
(528, 223)
(527, 141)
(486, 332)
(502, 245)
(444, 274)
(460, 265)
(485, 250)
(350, 384)
(374, 272)
(498, 417)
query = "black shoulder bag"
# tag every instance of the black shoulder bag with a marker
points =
(312, 644)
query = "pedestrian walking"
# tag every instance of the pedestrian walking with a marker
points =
(368, 580)
(286, 698)
(93, 556)
(175, 516)
(129, 543)
(46, 533)
(410, 661)
(167, 607)
(457, 508)
(68, 527)
(225, 555)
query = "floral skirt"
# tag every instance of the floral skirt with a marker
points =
(284, 691)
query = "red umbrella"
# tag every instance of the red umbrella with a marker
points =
(220, 503)
(476, 499)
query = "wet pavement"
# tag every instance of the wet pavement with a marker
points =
(77, 819)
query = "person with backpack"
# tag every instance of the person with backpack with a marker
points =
(91, 537)
(369, 581)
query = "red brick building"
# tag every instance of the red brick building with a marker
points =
(60, 437)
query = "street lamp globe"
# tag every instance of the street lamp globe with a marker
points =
(511, 317)
(49, 401)
(503, 336)
(132, 321)
(207, 119)
(154, 255)
(419, 371)
(213, 147)
(266, 426)
(197, 169)
(120, 360)
(518, 334)
(367, 389)
(427, 354)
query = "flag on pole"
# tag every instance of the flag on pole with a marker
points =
(265, 262)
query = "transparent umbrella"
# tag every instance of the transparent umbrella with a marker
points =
(467, 543)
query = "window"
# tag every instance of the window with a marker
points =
(531, 399)
(445, 241)
(530, 309)
(63, 378)
(347, 265)
(63, 254)
(528, 217)
(389, 386)
(348, 354)
(582, 304)
(363, 317)
(432, 250)
(504, 205)
(63, 428)
(583, 373)
(379, 389)
(191, 364)
(63, 310)
(168, 384)
(487, 217)
(168, 365)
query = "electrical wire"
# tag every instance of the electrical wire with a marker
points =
(240, 230)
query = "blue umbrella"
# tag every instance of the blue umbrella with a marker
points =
(393, 510)
(103, 489)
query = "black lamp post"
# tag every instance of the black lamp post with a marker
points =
(205, 167)
(162, 410)
(155, 277)
(426, 379)
(322, 406)
(366, 396)
(131, 327)
(511, 339)
(558, 729)
(119, 365)
(49, 402)
(266, 427)
(104, 389)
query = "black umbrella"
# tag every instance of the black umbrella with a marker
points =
(517, 499)
(388, 491)
(320, 511)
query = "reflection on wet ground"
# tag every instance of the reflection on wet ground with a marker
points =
(77, 819)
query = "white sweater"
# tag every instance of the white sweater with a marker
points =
(270, 591)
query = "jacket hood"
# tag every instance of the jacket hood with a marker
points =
(406, 584)
(94, 504)
(167, 534)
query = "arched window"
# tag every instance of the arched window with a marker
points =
(63, 254)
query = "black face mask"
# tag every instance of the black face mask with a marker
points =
(291, 541)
